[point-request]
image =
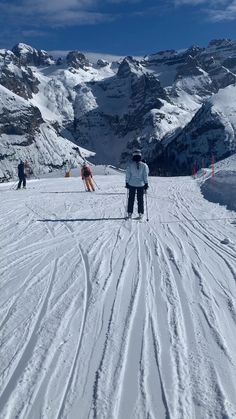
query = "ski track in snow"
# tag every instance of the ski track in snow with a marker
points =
(103, 318)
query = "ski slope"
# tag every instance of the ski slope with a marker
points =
(103, 318)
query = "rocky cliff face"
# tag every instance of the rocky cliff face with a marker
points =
(149, 102)
(25, 135)
(18, 79)
(31, 56)
(77, 60)
(168, 103)
(211, 134)
(114, 109)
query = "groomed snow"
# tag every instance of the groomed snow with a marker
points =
(112, 319)
(221, 187)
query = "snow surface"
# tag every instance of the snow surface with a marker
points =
(112, 319)
(221, 187)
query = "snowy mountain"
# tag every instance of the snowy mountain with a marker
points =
(108, 111)
(25, 135)
(160, 103)
(31, 56)
(211, 132)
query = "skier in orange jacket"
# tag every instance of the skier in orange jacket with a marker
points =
(87, 175)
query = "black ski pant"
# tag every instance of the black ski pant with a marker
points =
(21, 179)
(132, 192)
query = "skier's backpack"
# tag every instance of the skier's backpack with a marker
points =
(86, 172)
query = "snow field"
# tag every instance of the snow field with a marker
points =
(106, 318)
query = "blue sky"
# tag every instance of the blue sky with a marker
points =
(122, 27)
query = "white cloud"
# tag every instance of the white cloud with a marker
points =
(93, 56)
(32, 18)
(212, 3)
(33, 33)
(124, 1)
(227, 13)
(33, 15)
(76, 17)
(191, 2)
(54, 12)
(215, 10)
(52, 6)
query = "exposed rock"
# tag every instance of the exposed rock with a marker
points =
(221, 43)
(190, 68)
(102, 63)
(128, 66)
(20, 122)
(210, 133)
(19, 80)
(8, 57)
(230, 63)
(59, 61)
(115, 107)
(77, 60)
(31, 56)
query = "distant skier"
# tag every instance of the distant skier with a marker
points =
(86, 174)
(136, 181)
(21, 175)
(67, 169)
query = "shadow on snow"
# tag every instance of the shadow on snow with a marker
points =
(62, 220)
(98, 193)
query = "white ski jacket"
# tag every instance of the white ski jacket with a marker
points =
(137, 174)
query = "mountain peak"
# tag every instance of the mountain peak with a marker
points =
(31, 56)
(128, 66)
(77, 59)
(220, 42)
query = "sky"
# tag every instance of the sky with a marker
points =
(119, 27)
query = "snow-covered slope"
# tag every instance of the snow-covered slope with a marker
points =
(106, 318)
(222, 187)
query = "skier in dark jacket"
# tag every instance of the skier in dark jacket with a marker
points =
(136, 181)
(21, 175)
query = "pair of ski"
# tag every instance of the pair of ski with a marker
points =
(140, 219)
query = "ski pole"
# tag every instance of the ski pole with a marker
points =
(96, 183)
(146, 205)
(127, 201)
(14, 185)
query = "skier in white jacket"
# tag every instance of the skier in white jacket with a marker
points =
(136, 180)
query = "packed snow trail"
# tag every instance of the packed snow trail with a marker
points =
(104, 318)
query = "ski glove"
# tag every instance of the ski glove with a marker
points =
(127, 185)
(146, 186)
